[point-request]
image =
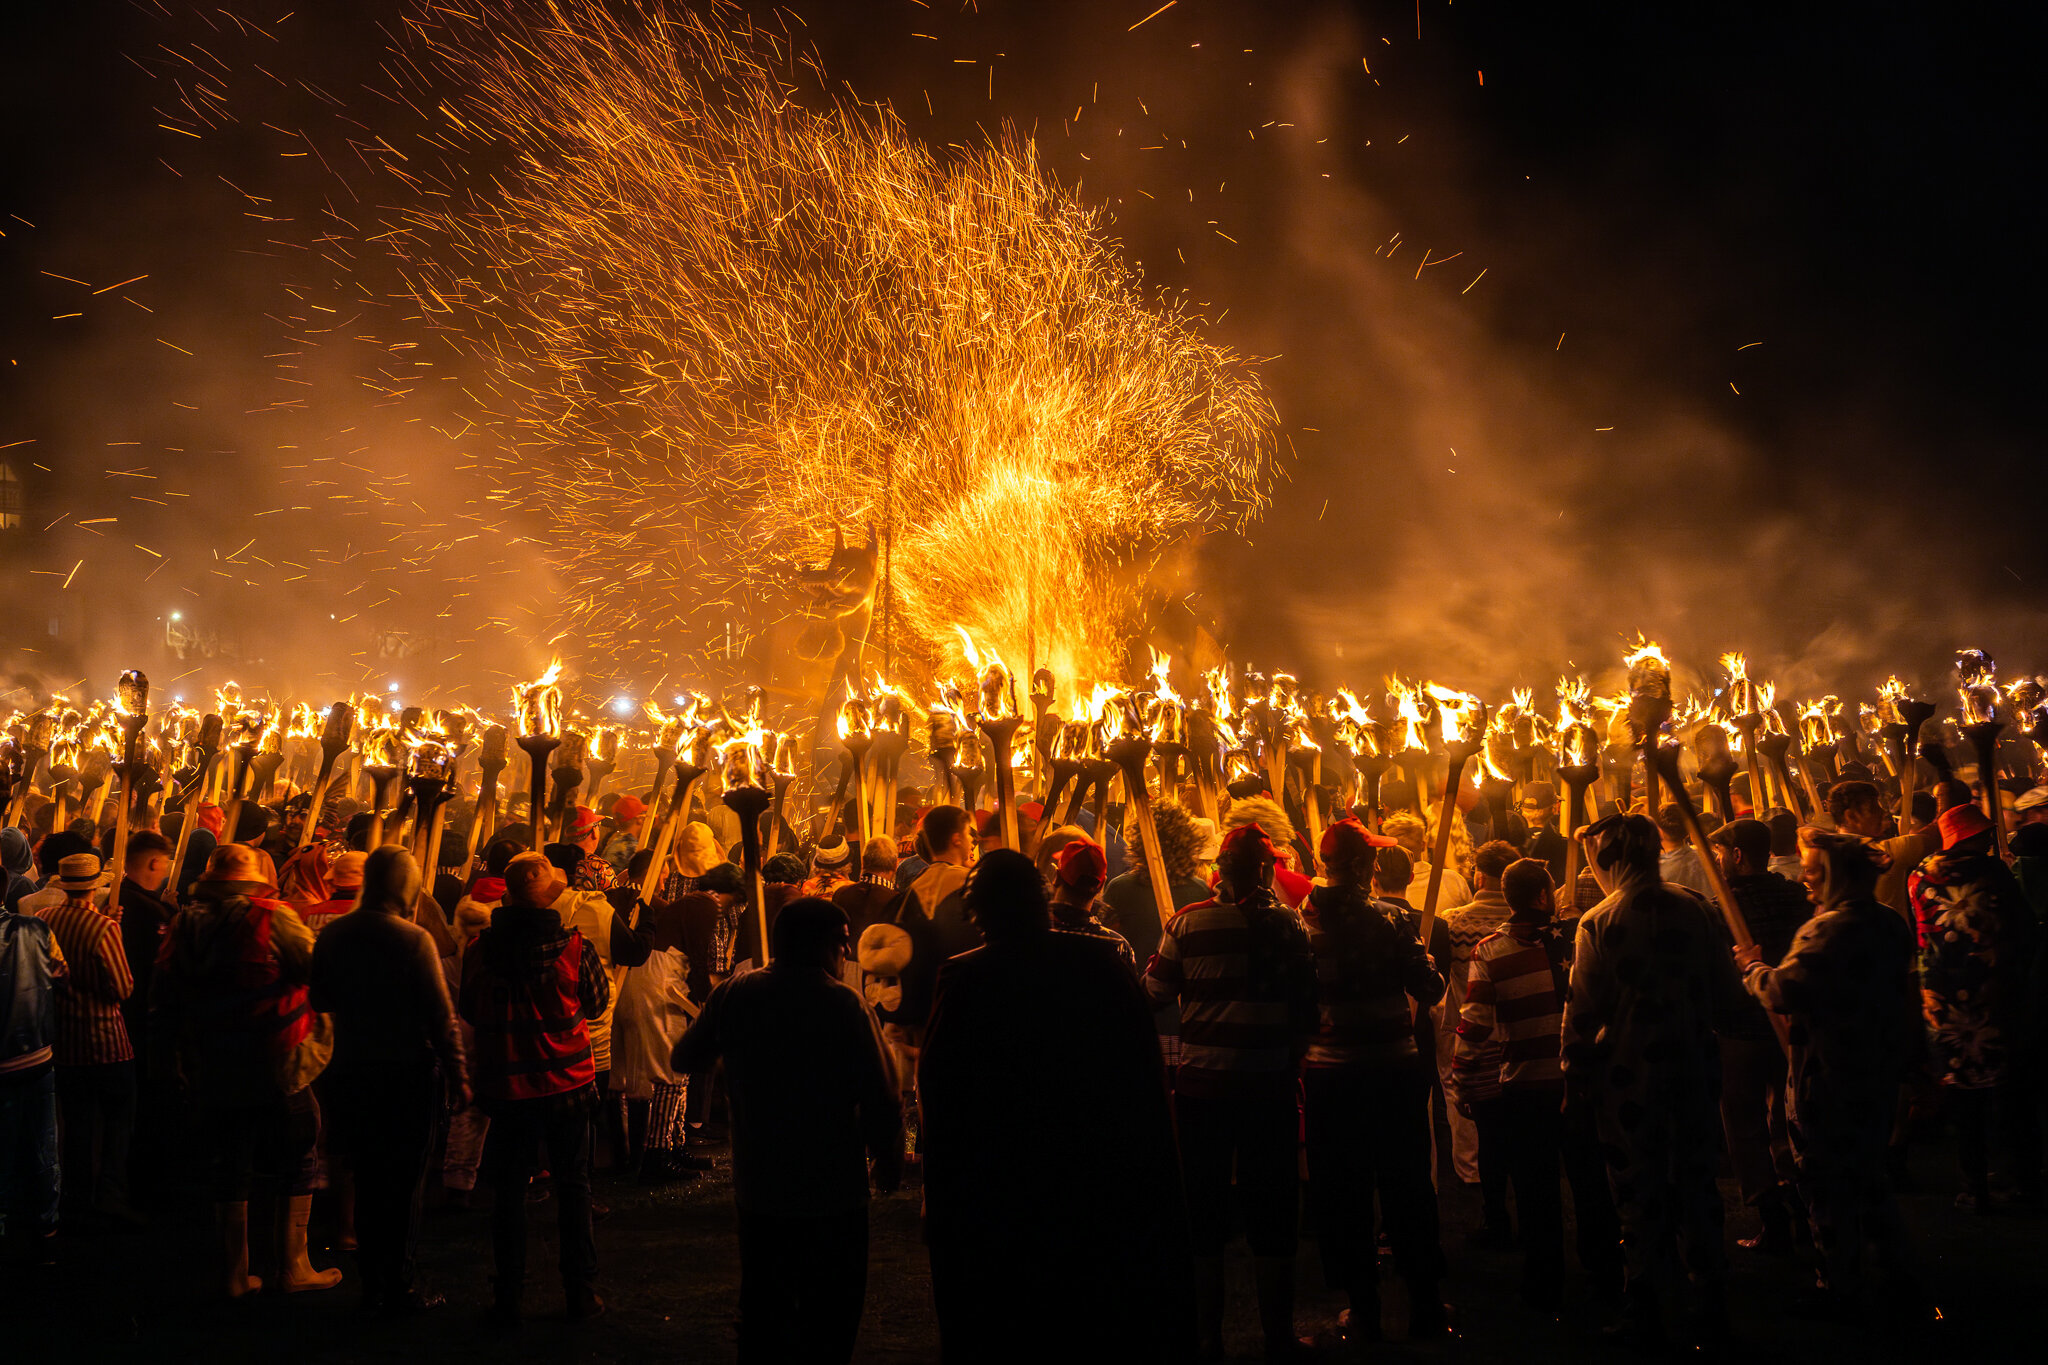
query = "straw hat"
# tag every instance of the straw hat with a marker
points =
(78, 872)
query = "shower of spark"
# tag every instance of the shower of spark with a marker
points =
(714, 324)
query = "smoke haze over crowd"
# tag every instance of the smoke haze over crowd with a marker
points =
(1712, 325)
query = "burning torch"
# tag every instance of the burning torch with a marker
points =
(131, 694)
(746, 799)
(538, 705)
(202, 753)
(334, 740)
(490, 767)
(1665, 757)
(1128, 751)
(1577, 765)
(1978, 687)
(1461, 742)
(998, 721)
(1649, 706)
(689, 766)
(568, 766)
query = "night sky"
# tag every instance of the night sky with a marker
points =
(1754, 361)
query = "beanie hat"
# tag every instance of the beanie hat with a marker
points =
(1959, 823)
(1081, 864)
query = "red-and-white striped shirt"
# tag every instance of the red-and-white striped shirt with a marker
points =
(1513, 1015)
(90, 1029)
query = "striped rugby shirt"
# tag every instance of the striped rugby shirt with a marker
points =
(1509, 1028)
(1366, 1018)
(1238, 1037)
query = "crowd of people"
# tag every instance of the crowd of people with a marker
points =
(1071, 1077)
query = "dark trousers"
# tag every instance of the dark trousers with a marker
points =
(2018, 1123)
(97, 1106)
(803, 1283)
(1368, 1130)
(382, 1121)
(29, 1167)
(1534, 1140)
(1594, 1216)
(1489, 1120)
(1753, 1121)
(520, 1130)
(276, 1140)
(1256, 1138)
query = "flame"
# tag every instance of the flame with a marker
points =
(1977, 680)
(1454, 710)
(539, 704)
(1217, 682)
(1740, 691)
(1356, 729)
(1407, 703)
(1817, 722)
(1646, 651)
(1890, 693)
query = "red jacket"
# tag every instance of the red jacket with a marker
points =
(529, 987)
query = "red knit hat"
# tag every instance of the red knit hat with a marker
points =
(1081, 864)
(1962, 822)
(1247, 841)
(1348, 843)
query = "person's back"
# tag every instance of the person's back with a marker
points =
(805, 1071)
(231, 980)
(529, 987)
(813, 1095)
(31, 964)
(380, 978)
(1651, 982)
(1048, 1146)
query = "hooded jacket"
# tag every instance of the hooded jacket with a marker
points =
(935, 918)
(31, 965)
(529, 987)
(17, 877)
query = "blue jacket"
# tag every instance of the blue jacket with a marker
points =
(31, 964)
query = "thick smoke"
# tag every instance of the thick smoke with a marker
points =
(1844, 538)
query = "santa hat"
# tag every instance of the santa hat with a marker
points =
(1962, 822)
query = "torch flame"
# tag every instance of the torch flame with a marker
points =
(539, 704)
(1977, 679)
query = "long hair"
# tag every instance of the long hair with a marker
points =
(1853, 865)
(1274, 929)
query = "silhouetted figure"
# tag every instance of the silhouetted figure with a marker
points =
(813, 1096)
(1053, 1205)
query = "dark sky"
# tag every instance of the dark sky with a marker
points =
(1492, 477)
